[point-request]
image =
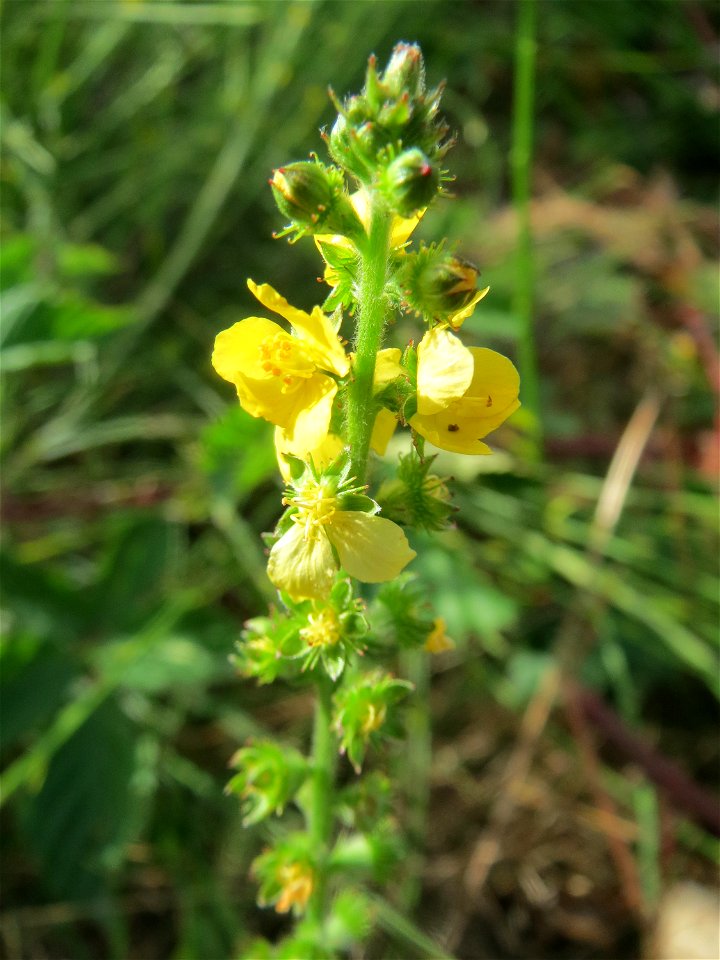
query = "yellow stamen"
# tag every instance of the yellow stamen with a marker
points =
(316, 504)
(322, 629)
(285, 356)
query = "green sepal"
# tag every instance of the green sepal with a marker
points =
(401, 616)
(362, 803)
(409, 408)
(416, 497)
(295, 465)
(363, 715)
(356, 501)
(409, 361)
(268, 777)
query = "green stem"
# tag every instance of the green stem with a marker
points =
(360, 417)
(521, 163)
(320, 819)
(371, 321)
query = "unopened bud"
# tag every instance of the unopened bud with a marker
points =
(405, 72)
(410, 182)
(416, 497)
(313, 198)
(437, 284)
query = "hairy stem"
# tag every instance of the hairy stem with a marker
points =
(371, 321)
(360, 417)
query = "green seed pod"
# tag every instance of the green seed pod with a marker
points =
(410, 182)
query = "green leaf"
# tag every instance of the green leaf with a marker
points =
(138, 568)
(75, 317)
(32, 687)
(85, 803)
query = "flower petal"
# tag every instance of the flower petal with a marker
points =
(311, 421)
(314, 328)
(403, 227)
(305, 569)
(370, 548)
(445, 370)
(237, 349)
(457, 319)
(449, 431)
(387, 367)
(495, 382)
(383, 429)
(490, 399)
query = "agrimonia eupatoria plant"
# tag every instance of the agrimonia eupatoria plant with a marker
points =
(333, 402)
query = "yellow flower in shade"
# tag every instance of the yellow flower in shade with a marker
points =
(438, 641)
(288, 379)
(401, 229)
(323, 537)
(462, 393)
(296, 882)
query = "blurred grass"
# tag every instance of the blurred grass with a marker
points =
(137, 138)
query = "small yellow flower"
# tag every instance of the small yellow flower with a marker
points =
(438, 641)
(462, 393)
(323, 538)
(323, 628)
(286, 379)
(296, 885)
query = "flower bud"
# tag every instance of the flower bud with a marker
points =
(437, 284)
(287, 874)
(313, 198)
(267, 779)
(410, 182)
(416, 497)
(361, 711)
(405, 72)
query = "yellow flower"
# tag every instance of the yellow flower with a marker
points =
(296, 884)
(438, 641)
(323, 628)
(286, 379)
(323, 537)
(462, 393)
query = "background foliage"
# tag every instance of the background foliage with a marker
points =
(137, 139)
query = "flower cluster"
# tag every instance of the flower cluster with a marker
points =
(332, 392)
